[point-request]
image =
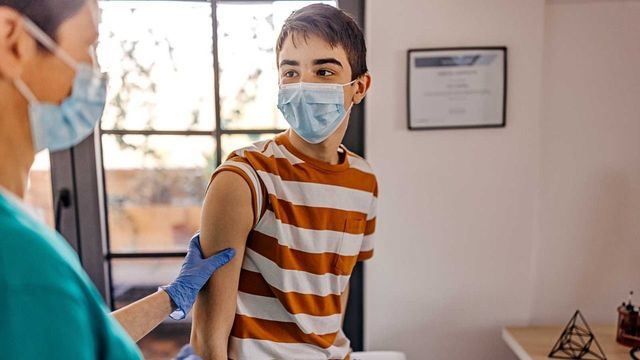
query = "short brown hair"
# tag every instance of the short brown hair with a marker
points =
(333, 26)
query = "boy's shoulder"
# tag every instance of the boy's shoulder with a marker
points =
(358, 162)
(261, 153)
(260, 147)
(269, 153)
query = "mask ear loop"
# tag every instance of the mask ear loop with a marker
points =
(348, 112)
(48, 43)
(352, 103)
(25, 91)
(350, 82)
(93, 52)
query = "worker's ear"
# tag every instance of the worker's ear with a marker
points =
(16, 45)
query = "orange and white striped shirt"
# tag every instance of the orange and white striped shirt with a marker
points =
(312, 222)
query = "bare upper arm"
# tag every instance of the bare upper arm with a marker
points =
(227, 219)
(227, 214)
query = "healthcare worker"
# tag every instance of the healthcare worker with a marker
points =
(52, 97)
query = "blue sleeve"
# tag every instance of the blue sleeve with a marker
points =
(50, 308)
(47, 323)
(52, 323)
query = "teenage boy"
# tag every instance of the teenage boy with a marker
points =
(299, 209)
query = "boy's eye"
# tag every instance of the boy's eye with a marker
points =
(325, 72)
(289, 74)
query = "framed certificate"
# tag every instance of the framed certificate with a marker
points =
(451, 88)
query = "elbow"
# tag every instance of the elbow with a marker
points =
(208, 344)
(204, 349)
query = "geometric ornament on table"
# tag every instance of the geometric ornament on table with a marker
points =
(576, 342)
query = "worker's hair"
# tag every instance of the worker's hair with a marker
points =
(333, 26)
(47, 14)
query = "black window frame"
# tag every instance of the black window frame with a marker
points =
(80, 172)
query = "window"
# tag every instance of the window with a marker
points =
(181, 98)
(190, 81)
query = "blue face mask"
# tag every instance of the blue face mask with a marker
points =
(314, 110)
(59, 127)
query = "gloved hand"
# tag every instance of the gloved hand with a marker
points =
(195, 272)
(187, 353)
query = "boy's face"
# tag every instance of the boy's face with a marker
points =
(314, 60)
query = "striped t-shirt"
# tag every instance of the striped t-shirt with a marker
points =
(312, 222)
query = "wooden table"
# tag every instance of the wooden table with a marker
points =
(535, 342)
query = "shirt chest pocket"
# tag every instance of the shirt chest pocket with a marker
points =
(349, 245)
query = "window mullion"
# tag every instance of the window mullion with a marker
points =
(216, 80)
(146, 255)
(157, 132)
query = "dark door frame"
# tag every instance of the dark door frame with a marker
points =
(354, 140)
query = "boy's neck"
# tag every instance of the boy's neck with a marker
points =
(326, 151)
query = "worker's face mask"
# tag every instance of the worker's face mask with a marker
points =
(59, 127)
(314, 110)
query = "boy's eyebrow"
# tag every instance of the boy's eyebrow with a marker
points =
(327, 61)
(289, 62)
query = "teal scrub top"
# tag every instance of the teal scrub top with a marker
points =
(49, 307)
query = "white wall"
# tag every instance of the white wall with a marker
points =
(456, 211)
(588, 252)
(483, 228)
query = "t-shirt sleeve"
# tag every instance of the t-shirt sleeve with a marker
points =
(366, 251)
(240, 166)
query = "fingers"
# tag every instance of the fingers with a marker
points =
(185, 351)
(218, 260)
(194, 246)
(196, 238)
(222, 258)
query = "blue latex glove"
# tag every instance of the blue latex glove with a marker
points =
(195, 272)
(187, 353)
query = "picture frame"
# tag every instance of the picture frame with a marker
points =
(457, 88)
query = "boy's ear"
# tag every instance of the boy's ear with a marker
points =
(16, 46)
(363, 83)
